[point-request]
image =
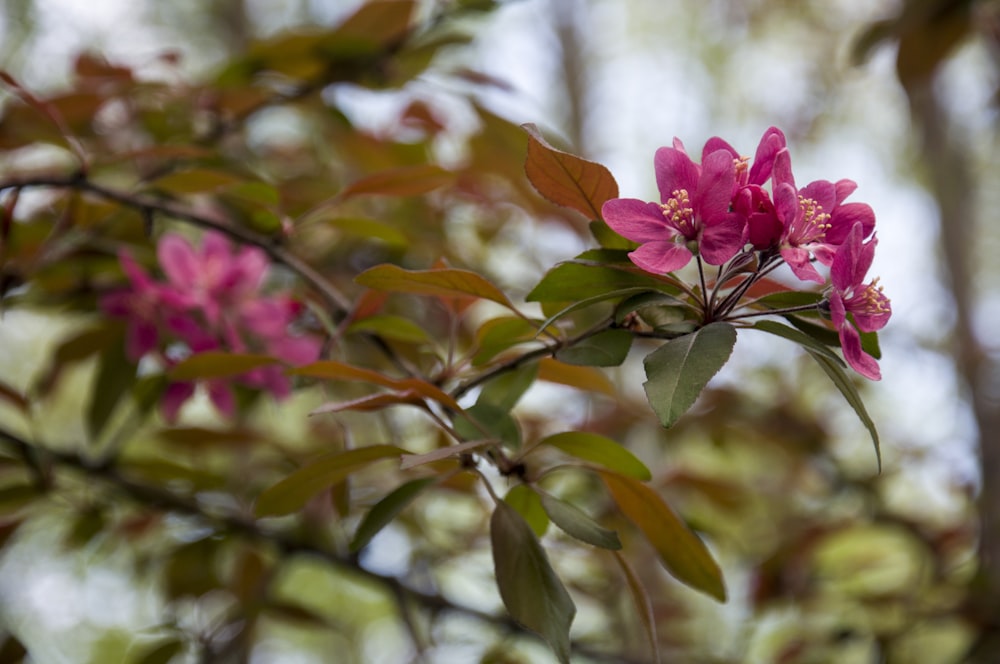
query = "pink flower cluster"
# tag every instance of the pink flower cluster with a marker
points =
(210, 300)
(720, 208)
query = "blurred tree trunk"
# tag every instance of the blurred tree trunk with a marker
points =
(566, 18)
(954, 184)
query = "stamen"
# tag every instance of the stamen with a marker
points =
(814, 221)
(742, 165)
(875, 300)
(678, 211)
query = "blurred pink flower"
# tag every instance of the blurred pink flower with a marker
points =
(210, 301)
(868, 306)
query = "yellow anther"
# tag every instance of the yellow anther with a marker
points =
(677, 210)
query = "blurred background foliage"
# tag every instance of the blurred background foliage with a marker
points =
(380, 150)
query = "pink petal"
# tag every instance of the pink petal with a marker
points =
(723, 239)
(296, 350)
(141, 337)
(858, 359)
(173, 398)
(763, 230)
(715, 143)
(716, 185)
(763, 162)
(823, 192)
(781, 172)
(139, 278)
(674, 171)
(838, 312)
(661, 257)
(786, 204)
(845, 216)
(798, 260)
(179, 261)
(636, 220)
(844, 189)
(842, 267)
(222, 397)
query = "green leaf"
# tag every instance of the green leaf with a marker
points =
(678, 370)
(387, 509)
(115, 375)
(577, 523)
(195, 181)
(566, 179)
(217, 364)
(499, 334)
(440, 282)
(607, 238)
(531, 591)
(496, 423)
(595, 299)
(529, 505)
(605, 349)
(803, 339)
(583, 378)
(360, 226)
(573, 281)
(681, 551)
(600, 450)
(843, 382)
(505, 390)
(295, 490)
(162, 653)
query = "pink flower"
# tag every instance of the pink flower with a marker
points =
(211, 301)
(693, 215)
(866, 303)
(814, 222)
(143, 305)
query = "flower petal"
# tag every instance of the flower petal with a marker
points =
(661, 257)
(636, 220)
(173, 398)
(845, 216)
(798, 260)
(674, 171)
(860, 361)
(716, 186)
(179, 261)
(763, 162)
(723, 239)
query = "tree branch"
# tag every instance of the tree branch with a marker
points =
(157, 498)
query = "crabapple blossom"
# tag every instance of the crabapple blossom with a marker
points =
(211, 300)
(866, 303)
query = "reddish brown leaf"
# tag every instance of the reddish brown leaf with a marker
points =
(566, 179)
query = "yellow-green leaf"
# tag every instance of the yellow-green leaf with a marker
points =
(599, 449)
(218, 364)
(387, 509)
(681, 551)
(295, 490)
(577, 523)
(584, 378)
(529, 505)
